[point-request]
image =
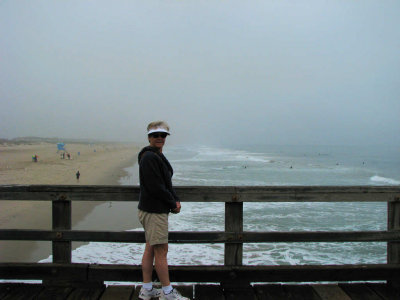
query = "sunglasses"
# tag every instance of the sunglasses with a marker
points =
(158, 134)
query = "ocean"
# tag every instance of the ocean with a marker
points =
(270, 165)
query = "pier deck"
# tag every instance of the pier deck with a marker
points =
(364, 291)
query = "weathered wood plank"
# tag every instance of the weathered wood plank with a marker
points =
(201, 236)
(54, 293)
(393, 247)
(299, 292)
(385, 291)
(61, 220)
(208, 292)
(24, 291)
(270, 292)
(207, 194)
(300, 273)
(202, 292)
(6, 288)
(394, 225)
(71, 192)
(77, 272)
(316, 194)
(93, 293)
(320, 236)
(124, 292)
(288, 193)
(330, 292)
(359, 291)
(234, 223)
(72, 235)
(240, 294)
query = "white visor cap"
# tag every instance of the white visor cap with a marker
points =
(158, 129)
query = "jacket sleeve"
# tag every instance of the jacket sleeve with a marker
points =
(175, 196)
(153, 180)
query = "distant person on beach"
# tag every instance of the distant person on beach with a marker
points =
(157, 199)
(78, 175)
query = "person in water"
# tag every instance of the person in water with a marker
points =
(157, 199)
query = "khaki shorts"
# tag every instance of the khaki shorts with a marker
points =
(155, 227)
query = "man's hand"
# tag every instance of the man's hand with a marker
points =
(177, 210)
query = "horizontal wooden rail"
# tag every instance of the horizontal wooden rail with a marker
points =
(185, 237)
(206, 193)
(233, 237)
(299, 273)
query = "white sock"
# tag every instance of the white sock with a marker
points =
(148, 285)
(167, 289)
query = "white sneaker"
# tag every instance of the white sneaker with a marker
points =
(174, 295)
(145, 294)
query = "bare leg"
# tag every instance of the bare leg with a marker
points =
(161, 263)
(147, 263)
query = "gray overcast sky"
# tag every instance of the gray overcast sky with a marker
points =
(220, 72)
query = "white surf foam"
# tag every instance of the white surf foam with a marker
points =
(384, 180)
(205, 154)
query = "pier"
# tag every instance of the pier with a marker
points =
(63, 279)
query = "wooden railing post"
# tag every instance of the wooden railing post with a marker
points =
(235, 287)
(234, 223)
(61, 221)
(393, 248)
(62, 250)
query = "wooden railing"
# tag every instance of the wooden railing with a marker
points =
(233, 270)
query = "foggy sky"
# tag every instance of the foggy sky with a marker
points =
(219, 72)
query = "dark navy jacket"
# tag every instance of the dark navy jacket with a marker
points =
(155, 173)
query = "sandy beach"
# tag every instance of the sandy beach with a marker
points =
(98, 164)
